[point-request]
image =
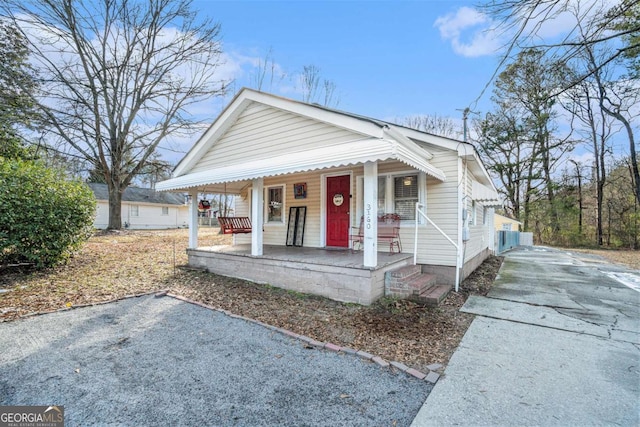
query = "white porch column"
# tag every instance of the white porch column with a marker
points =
(257, 216)
(193, 219)
(370, 214)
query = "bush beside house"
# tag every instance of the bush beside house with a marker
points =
(44, 217)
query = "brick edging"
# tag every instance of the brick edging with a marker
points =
(431, 376)
(89, 304)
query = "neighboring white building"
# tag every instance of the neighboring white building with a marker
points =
(142, 208)
(279, 155)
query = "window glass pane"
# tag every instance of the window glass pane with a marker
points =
(275, 204)
(134, 210)
(382, 181)
(165, 210)
(405, 193)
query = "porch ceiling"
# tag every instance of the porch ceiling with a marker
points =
(235, 177)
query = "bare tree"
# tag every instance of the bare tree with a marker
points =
(330, 97)
(605, 21)
(266, 73)
(578, 176)
(616, 97)
(583, 101)
(597, 25)
(314, 87)
(119, 77)
(310, 81)
(434, 124)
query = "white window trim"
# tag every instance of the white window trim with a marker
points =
(389, 187)
(162, 208)
(266, 204)
(137, 211)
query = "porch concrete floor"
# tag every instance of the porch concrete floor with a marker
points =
(337, 257)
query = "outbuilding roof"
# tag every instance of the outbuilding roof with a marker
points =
(139, 195)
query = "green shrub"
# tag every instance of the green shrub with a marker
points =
(44, 217)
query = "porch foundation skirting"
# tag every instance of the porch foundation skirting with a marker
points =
(446, 275)
(359, 284)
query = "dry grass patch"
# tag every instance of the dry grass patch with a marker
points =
(626, 257)
(113, 265)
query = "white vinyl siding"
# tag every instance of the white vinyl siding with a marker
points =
(480, 229)
(442, 209)
(149, 215)
(276, 234)
(261, 132)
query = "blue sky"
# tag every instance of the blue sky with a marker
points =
(387, 59)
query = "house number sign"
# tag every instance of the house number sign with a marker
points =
(338, 199)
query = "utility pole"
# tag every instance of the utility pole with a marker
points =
(465, 115)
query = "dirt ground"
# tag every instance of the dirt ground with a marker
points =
(114, 265)
(625, 257)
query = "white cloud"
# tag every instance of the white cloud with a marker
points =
(470, 32)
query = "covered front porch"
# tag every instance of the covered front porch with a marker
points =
(311, 178)
(337, 274)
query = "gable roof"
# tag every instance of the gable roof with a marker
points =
(371, 140)
(139, 195)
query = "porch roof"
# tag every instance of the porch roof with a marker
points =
(343, 154)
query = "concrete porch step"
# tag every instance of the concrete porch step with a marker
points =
(421, 283)
(434, 295)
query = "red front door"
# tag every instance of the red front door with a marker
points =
(338, 202)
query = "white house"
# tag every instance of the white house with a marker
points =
(307, 177)
(142, 208)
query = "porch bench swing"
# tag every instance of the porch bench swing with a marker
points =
(234, 224)
(388, 231)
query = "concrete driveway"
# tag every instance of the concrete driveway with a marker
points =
(556, 342)
(160, 361)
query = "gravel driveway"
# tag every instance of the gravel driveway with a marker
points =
(161, 361)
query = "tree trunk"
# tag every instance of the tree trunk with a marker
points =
(115, 209)
(555, 219)
(599, 204)
(527, 196)
(580, 205)
(634, 159)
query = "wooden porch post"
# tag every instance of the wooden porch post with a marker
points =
(370, 214)
(257, 216)
(193, 219)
